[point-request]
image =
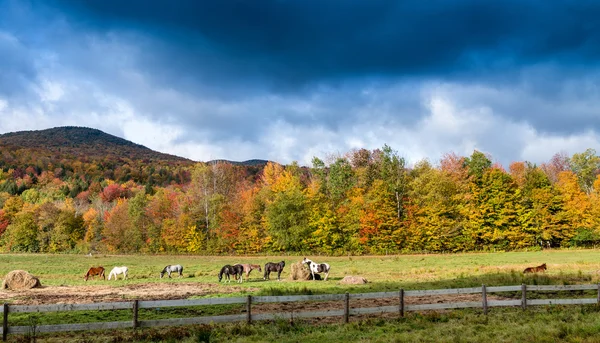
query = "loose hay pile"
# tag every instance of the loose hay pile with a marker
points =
(300, 272)
(353, 280)
(20, 279)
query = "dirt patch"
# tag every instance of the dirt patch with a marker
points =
(106, 293)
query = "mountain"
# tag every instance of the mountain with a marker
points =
(249, 163)
(81, 142)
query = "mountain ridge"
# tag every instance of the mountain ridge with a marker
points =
(82, 141)
(94, 143)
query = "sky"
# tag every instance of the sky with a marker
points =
(287, 80)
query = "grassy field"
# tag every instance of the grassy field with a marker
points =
(383, 272)
(574, 323)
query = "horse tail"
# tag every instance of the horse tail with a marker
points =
(221, 273)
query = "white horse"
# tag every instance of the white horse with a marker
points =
(317, 268)
(172, 269)
(118, 270)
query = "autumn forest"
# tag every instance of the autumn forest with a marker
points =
(361, 202)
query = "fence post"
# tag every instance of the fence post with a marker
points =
(136, 323)
(523, 296)
(598, 300)
(401, 302)
(249, 309)
(5, 322)
(484, 299)
(346, 307)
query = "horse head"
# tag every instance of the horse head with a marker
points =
(163, 271)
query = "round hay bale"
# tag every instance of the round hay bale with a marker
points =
(299, 271)
(20, 279)
(353, 280)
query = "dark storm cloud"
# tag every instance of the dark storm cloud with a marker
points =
(239, 49)
(289, 43)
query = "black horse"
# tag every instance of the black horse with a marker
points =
(274, 267)
(229, 270)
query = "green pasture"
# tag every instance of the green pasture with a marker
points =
(382, 272)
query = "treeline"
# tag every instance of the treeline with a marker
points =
(365, 202)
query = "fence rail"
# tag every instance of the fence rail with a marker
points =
(397, 305)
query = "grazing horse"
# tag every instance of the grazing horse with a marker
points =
(274, 267)
(250, 267)
(95, 271)
(229, 270)
(118, 270)
(317, 268)
(172, 269)
(238, 272)
(541, 268)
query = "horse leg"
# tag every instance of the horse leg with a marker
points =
(326, 275)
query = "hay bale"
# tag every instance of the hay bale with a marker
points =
(20, 279)
(299, 271)
(353, 280)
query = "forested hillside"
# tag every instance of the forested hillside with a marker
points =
(93, 196)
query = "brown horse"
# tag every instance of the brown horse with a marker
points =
(99, 271)
(541, 268)
(250, 267)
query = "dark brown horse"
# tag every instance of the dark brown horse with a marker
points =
(229, 270)
(541, 268)
(274, 267)
(95, 271)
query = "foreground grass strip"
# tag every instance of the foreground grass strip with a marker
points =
(548, 324)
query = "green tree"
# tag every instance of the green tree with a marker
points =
(340, 180)
(22, 234)
(393, 174)
(585, 165)
(477, 164)
(287, 220)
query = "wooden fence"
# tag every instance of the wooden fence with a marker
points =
(396, 301)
